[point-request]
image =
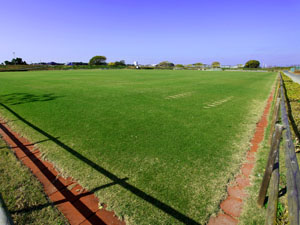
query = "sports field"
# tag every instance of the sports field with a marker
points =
(158, 147)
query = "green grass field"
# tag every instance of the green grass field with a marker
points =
(21, 191)
(166, 142)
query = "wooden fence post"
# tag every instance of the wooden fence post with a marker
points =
(292, 167)
(273, 194)
(270, 164)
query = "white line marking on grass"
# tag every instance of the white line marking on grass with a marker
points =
(182, 95)
(217, 103)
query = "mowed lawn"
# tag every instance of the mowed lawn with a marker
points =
(158, 147)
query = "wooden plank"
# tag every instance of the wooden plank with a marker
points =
(276, 108)
(292, 167)
(278, 93)
(273, 194)
(274, 119)
(269, 168)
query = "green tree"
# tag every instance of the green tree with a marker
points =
(165, 64)
(15, 61)
(179, 65)
(98, 60)
(198, 64)
(216, 64)
(19, 61)
(252, 64)
(120, 63)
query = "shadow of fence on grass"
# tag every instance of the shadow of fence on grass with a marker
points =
(41, 206)
(66, 193)
(21, 98)
(115, 179)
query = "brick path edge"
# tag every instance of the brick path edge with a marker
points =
(77, 204)
(232, 206)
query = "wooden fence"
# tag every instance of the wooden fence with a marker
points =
(280, 131)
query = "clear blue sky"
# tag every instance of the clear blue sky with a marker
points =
(189, 31)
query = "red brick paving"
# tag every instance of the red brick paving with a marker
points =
(242, 181)
(237, 192)
(250, 156)
(222, 219)
(247, 168)
(232, 206)
(77, 204)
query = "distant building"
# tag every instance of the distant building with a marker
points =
(136, 64)
(214, 69)
(76, 63)
(225, 66)
(296, 68)
(232, 67)
(178, 68)
(50, 63)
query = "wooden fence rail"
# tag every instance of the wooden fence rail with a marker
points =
(271, 175)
